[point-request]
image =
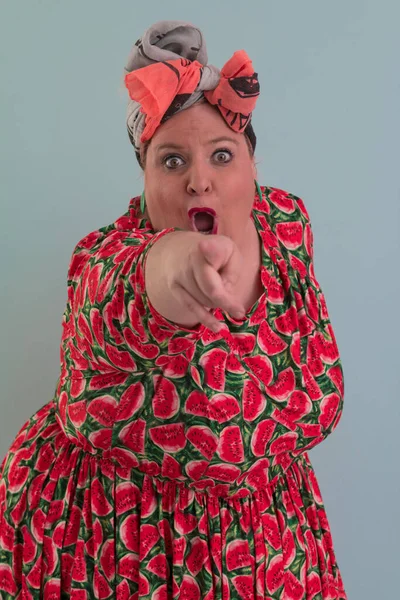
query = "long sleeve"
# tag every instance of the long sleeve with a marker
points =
(305, 385)
(109, 323)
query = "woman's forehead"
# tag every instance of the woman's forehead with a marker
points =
(200, 122)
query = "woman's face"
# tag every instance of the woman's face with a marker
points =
(196, 160)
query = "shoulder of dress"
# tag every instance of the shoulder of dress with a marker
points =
(94, 238)
(285, 202)
(129, 224)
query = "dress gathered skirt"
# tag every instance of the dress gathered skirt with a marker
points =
(172, 462)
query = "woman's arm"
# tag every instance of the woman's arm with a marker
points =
(313, 348)
(110, 317)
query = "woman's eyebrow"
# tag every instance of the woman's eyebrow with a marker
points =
(171, 145)
(174, 146)
(224, 138)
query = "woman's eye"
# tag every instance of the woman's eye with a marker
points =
(223, 156)
(171, 162)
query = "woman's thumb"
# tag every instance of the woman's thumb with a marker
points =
(213, 251)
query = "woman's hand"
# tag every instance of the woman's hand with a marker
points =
(206, 278)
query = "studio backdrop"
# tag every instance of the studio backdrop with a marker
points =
(327, 123)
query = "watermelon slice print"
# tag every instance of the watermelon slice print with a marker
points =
(131, 401)
(238, 555)
(214, 362)
(223, 407)
(275, 290)
(244, 585)
(274, 576)
(261, 366)
(189, 588)
(171, 468)
(129, 533)
(132, 436)
(230, 447)
(202, 438)
(149, 536)
(197, 556)
(165, 400)
(195, 469)
(223, 472)
(146, 351)
(170, 438)
(283, 386)
(127, 497)
(290, 234)
(179, 549)
(103, 410)
(254, 401)
(172, 462)
(268, 341)
(261, 436)
(283, 201)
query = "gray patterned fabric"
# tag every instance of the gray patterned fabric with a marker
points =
(170, 40)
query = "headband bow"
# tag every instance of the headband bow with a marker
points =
(162, 88)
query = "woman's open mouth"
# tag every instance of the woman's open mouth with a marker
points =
(203, 220)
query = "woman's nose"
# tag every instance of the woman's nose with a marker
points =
(199, 182)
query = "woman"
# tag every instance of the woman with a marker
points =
(196, 372)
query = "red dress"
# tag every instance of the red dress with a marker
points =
(172, 462)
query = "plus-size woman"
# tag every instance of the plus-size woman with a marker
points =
(198, 367)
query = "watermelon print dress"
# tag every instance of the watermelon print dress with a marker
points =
(171, 462)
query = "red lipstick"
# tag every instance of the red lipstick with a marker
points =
(203, 209)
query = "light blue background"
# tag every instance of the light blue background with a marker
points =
(328, 130)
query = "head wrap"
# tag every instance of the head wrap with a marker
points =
(167, 72)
